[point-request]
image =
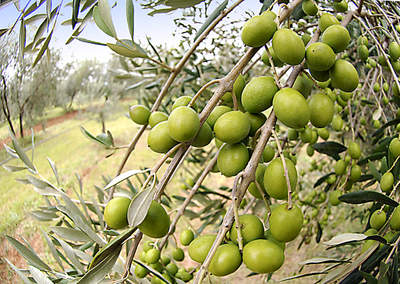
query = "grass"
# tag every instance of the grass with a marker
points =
(73, 154)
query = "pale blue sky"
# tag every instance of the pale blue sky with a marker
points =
(159, 27)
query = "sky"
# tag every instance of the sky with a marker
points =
(159, 28)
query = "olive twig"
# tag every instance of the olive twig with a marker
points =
(351, 120)
(312, 79)
(276, 77)
(249, 205)
(202, 89)
(129, 260)
(395, 245)
(262, 193)
(189, 198)
(235, 204)
(285, 170)
(165, 157)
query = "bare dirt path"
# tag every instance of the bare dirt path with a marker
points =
(48, 123)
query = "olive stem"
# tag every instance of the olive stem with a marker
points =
(312, 79)
(395, 245)
(236, 211)
(155, 169)
(176, 70)
(202, 89)
(234, 100)
(249, 205)
(351, 120)
(251, 65)
(284, 71)
(285, 170)
(348, 175)
(263, 195)
(276, 77)
(394, 164)
(129, 260)
(189, 198)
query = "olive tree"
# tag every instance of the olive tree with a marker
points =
(306, 77)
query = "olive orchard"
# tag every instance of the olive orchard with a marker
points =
(328, 84)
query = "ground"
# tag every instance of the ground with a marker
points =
(73, 154)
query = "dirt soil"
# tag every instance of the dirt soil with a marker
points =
(39, 127)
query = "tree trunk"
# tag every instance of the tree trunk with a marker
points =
(5, 108)
(70, 103)
(103, 123)
(21, 129)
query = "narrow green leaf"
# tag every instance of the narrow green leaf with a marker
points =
(322, 179)
(136, 85)
(211, 18)
(322, 260)
(10, 152)
(123, 177)
(3, 32)
(19, 272)
(128, 48)
(330, 148)
(139, 207)
(33, 8)
(71, 256)
(53, 250)
(14, 168)
(34, 19)
(100, 23)
(182, 3)
(43, 216)
(302, 276)
(359, 197)
(351, 237)
(88, 4)
(21, 154)
(266, 5)
(70, 234)
(375, 173)
(90, 136)
(161, 11)
(43, 27)
(79, 219)
(90, 41)
(75, 12)
(29, 255)
(22, 39)
(104, 13)
(389, 123)
(39, 276)
(130, 17)
(48, 9)
(110, 247)
(152, 271)
(78, 30)
(98, 272)
(43, 49)
(42, 187)
(54, 169)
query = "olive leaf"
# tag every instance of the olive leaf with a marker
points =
(330, 148)
(360, 197)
